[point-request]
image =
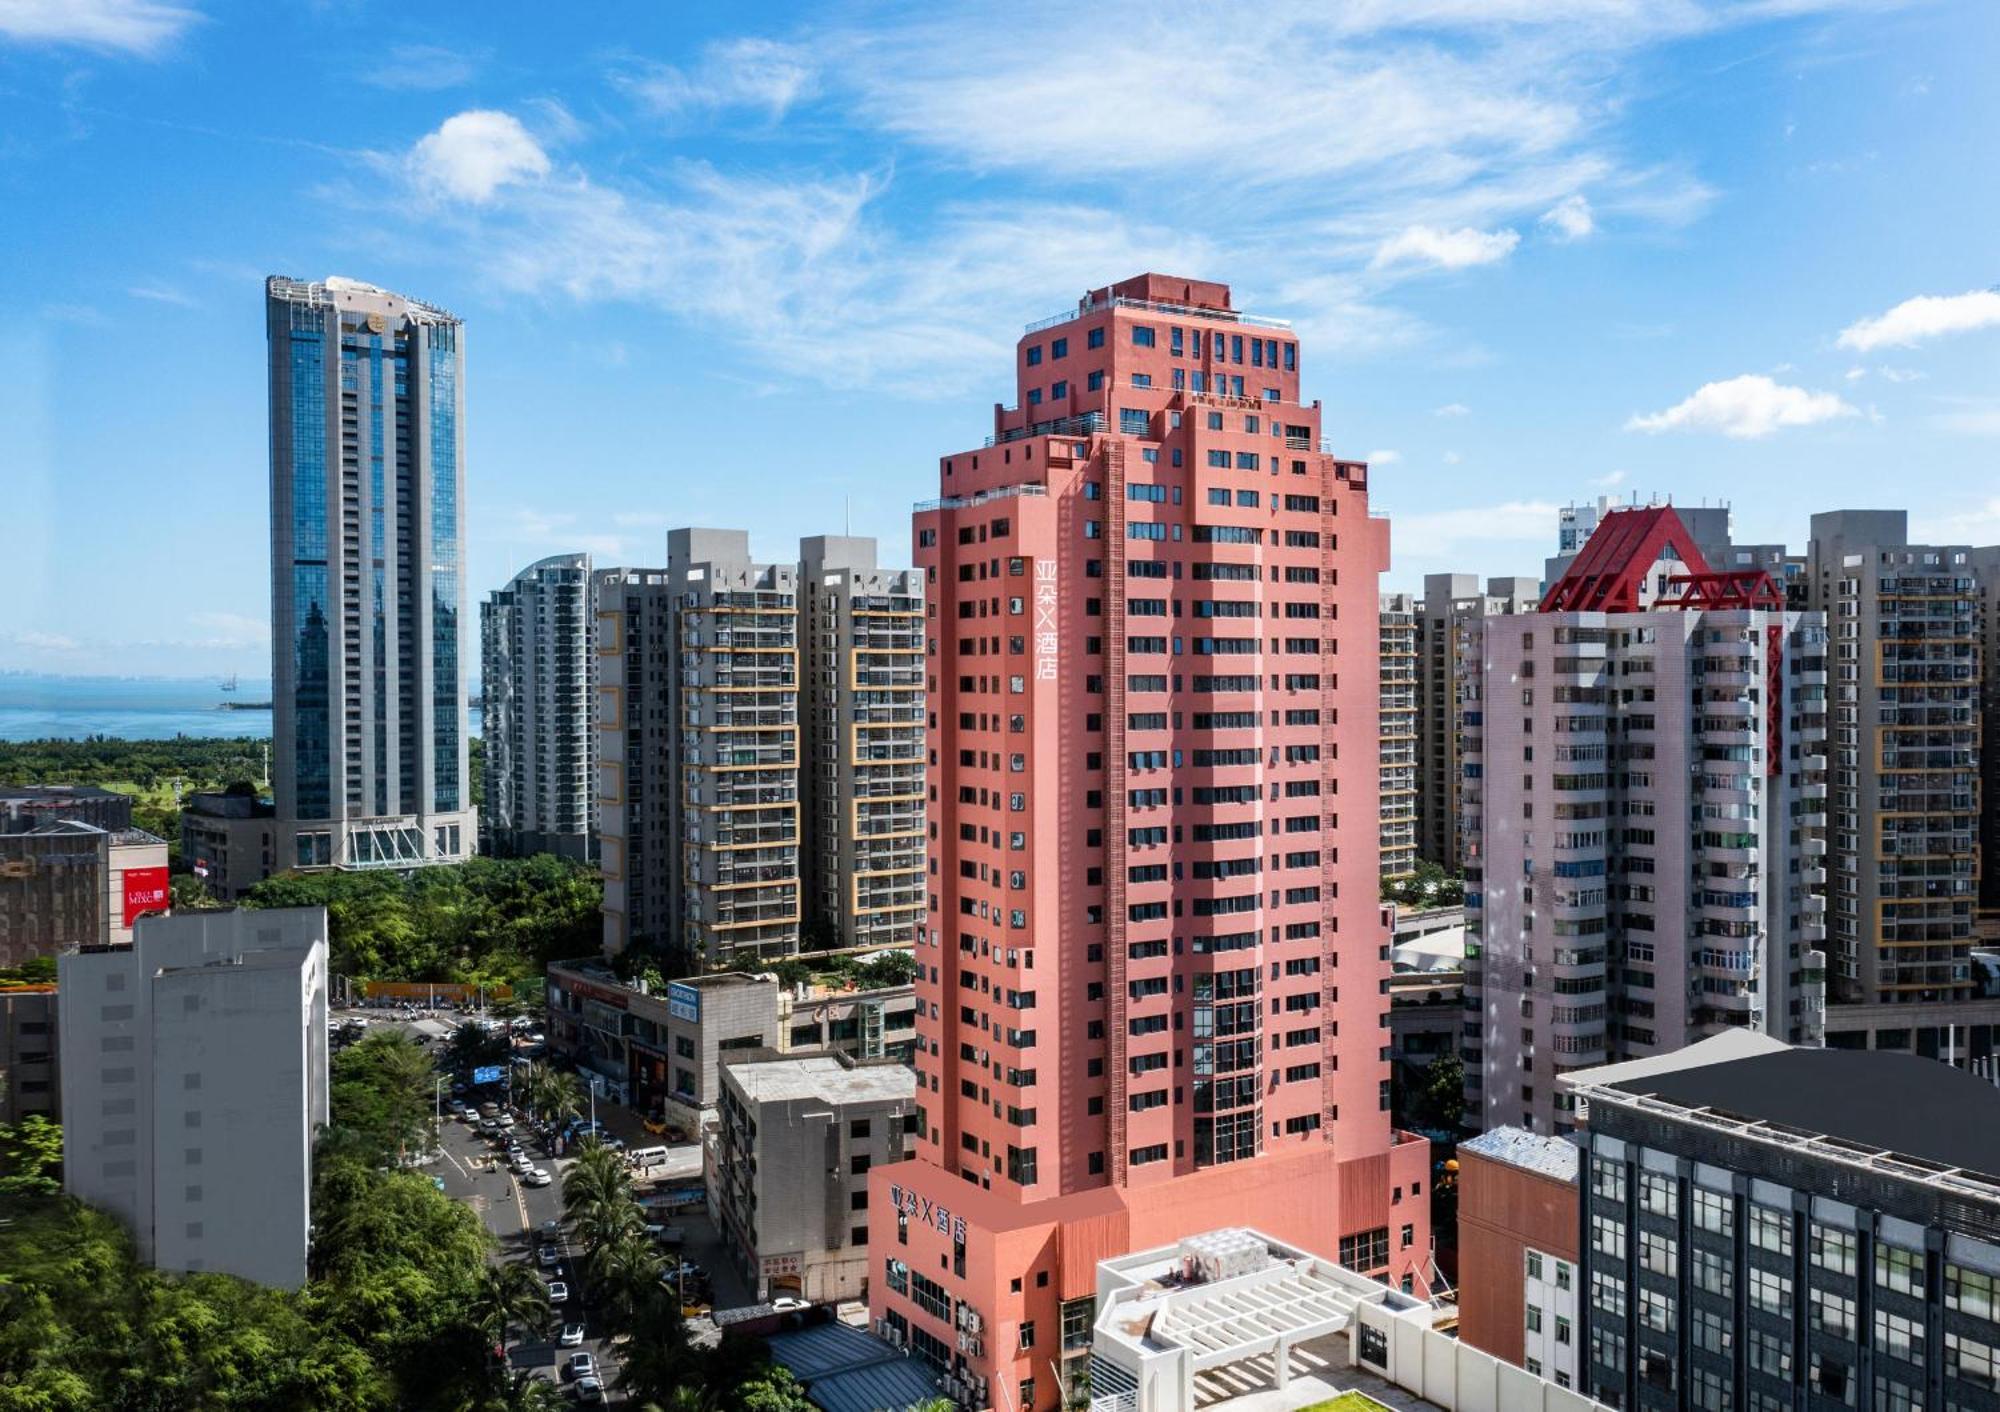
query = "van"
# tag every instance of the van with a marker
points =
(645, 1157)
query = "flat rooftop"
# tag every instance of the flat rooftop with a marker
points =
(54, 793)
(1887, 1102)
(1531, 1152)
(825, 1078)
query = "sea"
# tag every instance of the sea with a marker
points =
(36, 707)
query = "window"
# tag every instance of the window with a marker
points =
(1132, 421)
(1969, 1292)
(1770, 1353)
(1027, 1333)
(1656, 1311)
(1900, 1270)
(1710, 1391)
(1711, 1332)
(1142, 336)
(1607, 1236)
(1607, 1348)
(1034, 355)
(1771, 1230)
(1095, 338)
(1534, 1264)
(1534, 1319)
(1833, 1249)
(1713, 1212)
(1713, 1272)
(1658, 1195)
(1659, 1253)
(1971, 1361)
(1830, 1377)
(1607, 1294)
(1058, 348)
(1899, 1337)
(1832, 1313)
(1607, 1179)
(1094, 381)
(1770, 1291)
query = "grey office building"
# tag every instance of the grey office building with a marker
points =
(369, 728)
(1791, 1230)
(536, 671)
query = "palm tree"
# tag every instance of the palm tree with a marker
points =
(625, 1270)
(522, 1391)
(565, 1097)
(656, 1365)
(598, 1178)
(509, 1295)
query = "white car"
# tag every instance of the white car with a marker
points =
(521, 1163)
(536, 1176)
(572, 1336)
(558, 1292)
(785, 1303)
(579, 1365)
(589, 1390)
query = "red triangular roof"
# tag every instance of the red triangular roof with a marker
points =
(1609, 573)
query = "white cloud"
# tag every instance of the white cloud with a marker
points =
(1384, 457)
(1899, 374)
(1461, 249)
(1452, 458)
(1570, 218)
(1451, 409)
(1439, 534)
(1970, 416)
(1925, 317)
(1746, 408)
(43, 641)
(475, 153)
(422, 68)
(140, 27)
(1610, 480)
(1977, 523)
(162, 294)
(739, 73)
(1855, 374)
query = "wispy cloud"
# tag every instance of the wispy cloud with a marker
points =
(143, 28)
(1452, 409)
(1923, 318)
(759, 74)
(162, 294)
(421, 68)
(1610, 480)
(1746, 408)
(1384, 457)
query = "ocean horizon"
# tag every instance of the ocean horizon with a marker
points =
(38, 707)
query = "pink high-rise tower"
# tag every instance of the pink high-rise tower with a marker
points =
(1152, 967)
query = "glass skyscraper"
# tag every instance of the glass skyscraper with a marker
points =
(368, 759)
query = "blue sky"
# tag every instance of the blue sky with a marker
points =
(741, 265)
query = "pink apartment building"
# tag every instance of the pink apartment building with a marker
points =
(1152, 969)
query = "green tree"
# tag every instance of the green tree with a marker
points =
(896, 968)
(1439, 1104)
(31, 1154)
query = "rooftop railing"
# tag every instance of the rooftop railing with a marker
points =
(1154, 306)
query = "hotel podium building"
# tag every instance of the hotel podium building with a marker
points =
(369, 719)
(1152, 962)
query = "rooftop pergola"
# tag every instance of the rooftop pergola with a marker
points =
(1264, 1314)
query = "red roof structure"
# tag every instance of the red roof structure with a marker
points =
(1609, 575)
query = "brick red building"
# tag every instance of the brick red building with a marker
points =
(1152, 965)
(1517, 1251)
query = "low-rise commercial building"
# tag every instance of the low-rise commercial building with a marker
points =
(1517, 1251)
(70, 884)
(25, 808)
(228, 841)
(795, 1140)
(196, 1082)
(659, 1050)
(29, 1058)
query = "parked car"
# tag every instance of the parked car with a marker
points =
(785, 1303)
(552, 1229)
(558, 1292)
(549, 1255)
(579, 1365)
(589, 1390)
(536, 1176)
(572, 1336)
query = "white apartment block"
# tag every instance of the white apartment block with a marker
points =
(194, 1080)
(1643, 792)
(863, 640)
(1447, 621)
(1398, 614)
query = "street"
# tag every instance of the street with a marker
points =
(514, 1214)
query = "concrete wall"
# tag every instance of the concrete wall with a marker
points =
(1454, 1375)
